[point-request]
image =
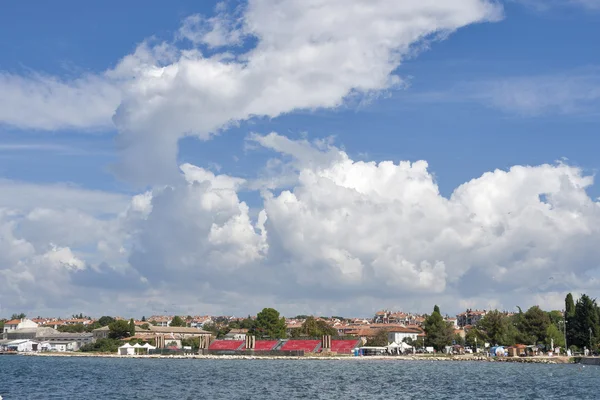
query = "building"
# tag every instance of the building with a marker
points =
(470, 317)
(399, 334)
(160, 320)
(64, 341)
(15, 324)
(102, 333)
(29, 333)
(236, 334)
(23, 345)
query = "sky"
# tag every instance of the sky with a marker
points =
(221, 157)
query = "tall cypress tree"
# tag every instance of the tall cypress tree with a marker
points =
(439, 332)
(585, 319)
(131, 327)
(570, 319)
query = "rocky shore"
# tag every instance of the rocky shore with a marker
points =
(527, 360)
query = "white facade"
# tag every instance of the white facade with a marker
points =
(61, 346)
(399, 336)
(24, 345)
(19, 324)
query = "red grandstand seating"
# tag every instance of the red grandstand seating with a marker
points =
(264, 345)
(343, 346)
(226, 345)
(308, 346)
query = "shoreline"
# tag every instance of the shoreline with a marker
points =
(524, 360)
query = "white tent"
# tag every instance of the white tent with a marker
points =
(126, 350)
(148, 346)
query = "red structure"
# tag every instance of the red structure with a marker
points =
(226, 345)
(309, 346)
(343, 346)
(265, 345)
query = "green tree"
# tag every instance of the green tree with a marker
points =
(193, 342)
(131, 327)
(217, 330)
(473, 334)
(2, 325)
(102, 346)
(143, 318)
(106, 320)
(18, 316)
(269, 324)
(380, 339)
(535, 324)
(554, 335)
(556, 317)
(439, 332)
(177, 321)
(584, 320)
(118, 329)
(315, 328)
(570, 319)
(247, 323)
(145, 326)
(498, 329)
(458, 339)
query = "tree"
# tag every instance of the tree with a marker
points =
(570, 318)
(498, 329)
(556, 317)
(102, 346)
(535, 324)
(313, 328)
(247, 323)
(106, 320)
(143, 318)
(439, 332)
(18, 316)
(554, 336)
(458, 339)
(408, 340)
(118, 329)
(218, 330)
(585, 319)
(145, 326)
(177, 321)
(269, 324)
(380, 339)
(131, 327)
(473, 334)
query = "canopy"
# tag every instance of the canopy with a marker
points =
(148, 346)
(138, 346)
(126, 346)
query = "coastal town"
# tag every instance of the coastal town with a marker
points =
(529, 333)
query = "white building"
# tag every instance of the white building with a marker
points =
(397, 335)
(23, 345)
(15, 324)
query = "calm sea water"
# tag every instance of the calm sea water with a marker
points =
(99, 378)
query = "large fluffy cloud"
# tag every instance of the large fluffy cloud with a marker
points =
(310, 55)
(342, 230)
(382, 231)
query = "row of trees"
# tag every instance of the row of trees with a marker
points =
(270, 324)
(534, 326)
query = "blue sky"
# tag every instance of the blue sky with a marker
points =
(91, 116)
(460, 139)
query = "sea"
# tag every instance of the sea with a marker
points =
(40, 378)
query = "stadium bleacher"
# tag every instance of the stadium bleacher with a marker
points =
(226, 345)
(308, 346)
(343, 346)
